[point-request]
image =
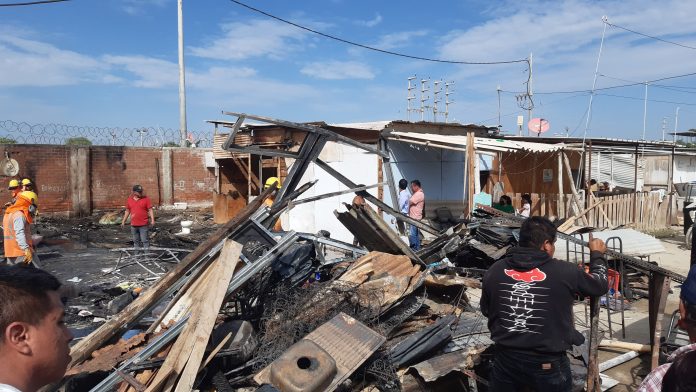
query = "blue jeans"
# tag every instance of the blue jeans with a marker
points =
(140, 236)
(517, 370)
(414, 238)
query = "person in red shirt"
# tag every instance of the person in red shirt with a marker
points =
(138, 207)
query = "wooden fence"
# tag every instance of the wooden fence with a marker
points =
(651, 212)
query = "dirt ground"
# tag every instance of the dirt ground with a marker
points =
(84, 253)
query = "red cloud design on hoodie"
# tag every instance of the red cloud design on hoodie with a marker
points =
(535, 275)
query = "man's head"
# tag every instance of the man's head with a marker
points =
(538, 233)
(27, 184)
(415, 185)
(34, 337)
(403, 184)
(13, 185)
(593, 182)
(687, 304)
(138, 189)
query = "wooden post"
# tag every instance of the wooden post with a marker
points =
(534, 173)
(561, 212)
(576, 201)
(593, 381)
(386, 166)
(470, 158)
(635, 188)
(658, 290)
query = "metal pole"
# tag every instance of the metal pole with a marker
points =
(664, 125)
(676, 122)
(182, 78)
(645, 109)
(530, 91)
(499, 123)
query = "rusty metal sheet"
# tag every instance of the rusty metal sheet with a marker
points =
(440, 366)
(348, 341)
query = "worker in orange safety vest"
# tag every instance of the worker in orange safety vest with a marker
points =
(14, 189)
(273, 181)
(17, 242)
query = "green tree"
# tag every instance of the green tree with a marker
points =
(7, 140)
(170, 144)
(78, 141)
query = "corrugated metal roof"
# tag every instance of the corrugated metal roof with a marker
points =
(634, 242)
(370, 126)
(482, 143)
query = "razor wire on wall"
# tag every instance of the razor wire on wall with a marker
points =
(12, 132)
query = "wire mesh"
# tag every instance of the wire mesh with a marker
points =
(13, 132)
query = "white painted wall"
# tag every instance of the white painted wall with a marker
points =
(684, 168)
(356, 164)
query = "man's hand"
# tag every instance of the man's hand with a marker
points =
(28, 256)
(596, 244)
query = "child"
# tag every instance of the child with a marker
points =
(526, 209)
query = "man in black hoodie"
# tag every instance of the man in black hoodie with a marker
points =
(528, 299)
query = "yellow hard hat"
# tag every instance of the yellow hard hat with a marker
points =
(13, 184)
(26, 181)
(31, 196)
(270, 181)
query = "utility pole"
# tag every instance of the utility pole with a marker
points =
(448, 92)
(182, 78)
(530, 88)
(676, 121)
(423, 98)
(664, 125)
(645, 109)
(436, 92)
(410, 97)
(499, 123)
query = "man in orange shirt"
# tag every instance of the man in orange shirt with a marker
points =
(416, 209)
(17, 242)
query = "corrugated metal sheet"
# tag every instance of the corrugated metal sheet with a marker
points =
(634, 242)
(617, 169)
(482, 143)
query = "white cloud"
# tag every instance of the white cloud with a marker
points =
(137, 7)
(335, 70)
(25, 62)
(372, 22)
(400, 39)
(255, 38)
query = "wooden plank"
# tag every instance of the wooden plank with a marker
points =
(84, 348)
(471, 170)
(658, 289)
(214, 296)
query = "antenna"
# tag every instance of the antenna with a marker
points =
(410, 97)
(437, 90)
(448, 92)
(424, 98)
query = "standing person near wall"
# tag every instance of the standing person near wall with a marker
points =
(526, 209)
(273, 181)
(416, 210)
(404, 196)
(528, 299)
(18, 245)
(34, 340)
(139, 207)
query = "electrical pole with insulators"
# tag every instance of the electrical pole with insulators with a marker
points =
(182, 78)
(530, 87)
(423, 98)
(448, 92)
(410, 97)
(437, 90)
(645, 110)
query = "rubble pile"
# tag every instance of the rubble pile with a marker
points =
(252, 309)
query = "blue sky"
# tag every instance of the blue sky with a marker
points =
(114, 62)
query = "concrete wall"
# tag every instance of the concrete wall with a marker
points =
(77, 180)
(684, 168)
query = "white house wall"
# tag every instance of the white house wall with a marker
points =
(356, 164)
(684, 168)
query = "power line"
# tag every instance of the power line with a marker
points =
(650, 36)
(649, 100)
(31, 3)
(345, 41)
(662, 86)
(608, 87)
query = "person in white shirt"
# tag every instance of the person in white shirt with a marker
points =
(404, 196)
(34, 340)
(526, 209)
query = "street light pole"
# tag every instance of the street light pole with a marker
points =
(182, 78)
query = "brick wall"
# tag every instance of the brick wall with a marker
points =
(110, 172)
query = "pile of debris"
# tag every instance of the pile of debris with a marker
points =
(253, 309)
